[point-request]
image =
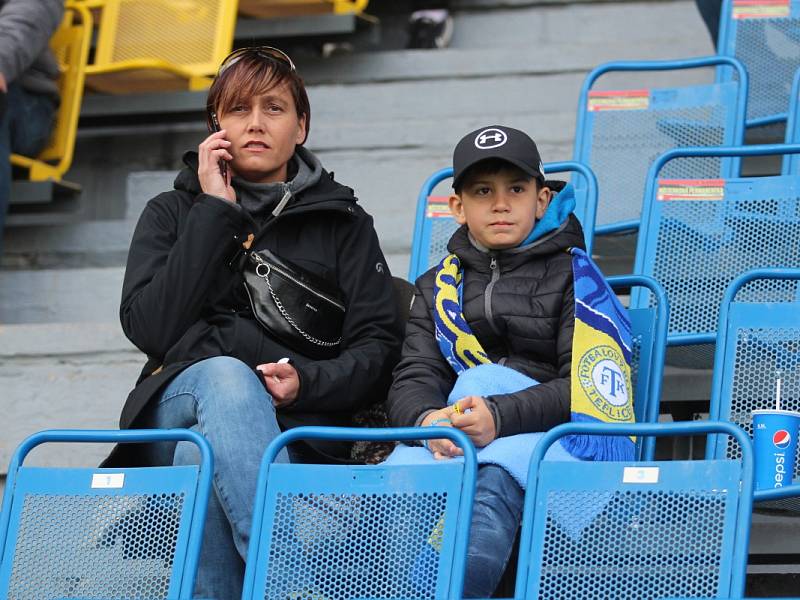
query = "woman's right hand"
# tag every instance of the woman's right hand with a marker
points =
(441, 448)
(213, 149)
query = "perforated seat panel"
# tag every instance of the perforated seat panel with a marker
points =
(95, 547)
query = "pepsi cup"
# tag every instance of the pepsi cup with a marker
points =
(775, 441)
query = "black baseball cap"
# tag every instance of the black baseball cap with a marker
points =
(496, 141)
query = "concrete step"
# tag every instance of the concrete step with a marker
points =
(63, 375)
(88, 295)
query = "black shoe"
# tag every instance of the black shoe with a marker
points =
(430, 29)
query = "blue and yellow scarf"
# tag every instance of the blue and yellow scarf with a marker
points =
(601, 347)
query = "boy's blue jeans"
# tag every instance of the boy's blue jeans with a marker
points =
(496, 517)
(223, 399)
(24, 129)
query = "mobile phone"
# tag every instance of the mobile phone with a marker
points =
(223, 165)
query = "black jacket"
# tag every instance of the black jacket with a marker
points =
(520, 305)
(182, 303)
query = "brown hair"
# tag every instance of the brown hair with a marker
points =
(253, 73)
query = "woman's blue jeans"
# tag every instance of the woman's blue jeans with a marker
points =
(496, 517)
(223, 399)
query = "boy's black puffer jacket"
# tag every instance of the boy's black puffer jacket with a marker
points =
(519, 304)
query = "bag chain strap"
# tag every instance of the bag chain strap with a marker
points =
(286, 315)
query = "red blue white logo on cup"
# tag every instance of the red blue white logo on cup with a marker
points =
(781, 439)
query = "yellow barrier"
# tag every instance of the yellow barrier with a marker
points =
(70, 44)
(160, 45)
(266, 9)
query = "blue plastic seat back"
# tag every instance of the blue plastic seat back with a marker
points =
(375, 531)
(649, 336)
(635, 530)
(698, 235)
(759, 342)
(791, 162)
(620, 133)
(434, 224)
(101, 533)
(765, 37)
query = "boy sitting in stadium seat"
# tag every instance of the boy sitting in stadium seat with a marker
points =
(489, 341)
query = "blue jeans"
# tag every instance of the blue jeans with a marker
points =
(223, 399)
(25, 129)
(496, 516)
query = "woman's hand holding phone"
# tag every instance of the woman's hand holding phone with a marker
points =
(213, 172)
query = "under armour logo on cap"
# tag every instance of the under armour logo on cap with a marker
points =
(496, 142)
(490, 138)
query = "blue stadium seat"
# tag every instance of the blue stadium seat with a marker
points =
(636, 530)
(765, 36)
(791, 162)
(434, 225)
(699, 234)
(112, 534)
(649, 333)
(758, 342)
(619, 133)
(356, 531)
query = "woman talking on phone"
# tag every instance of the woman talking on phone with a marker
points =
(261, 297)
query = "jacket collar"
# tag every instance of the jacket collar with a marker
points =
(325, 194)
(566, 235)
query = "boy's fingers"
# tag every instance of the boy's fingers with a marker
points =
(462, 421)
(468, 402)
(445, 447)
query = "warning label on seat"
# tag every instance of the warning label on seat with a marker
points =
(619, 100)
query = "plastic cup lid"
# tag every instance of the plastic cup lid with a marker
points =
(775, 411)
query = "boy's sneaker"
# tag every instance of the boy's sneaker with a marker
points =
(430, 29)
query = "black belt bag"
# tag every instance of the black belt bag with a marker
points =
(298, 308)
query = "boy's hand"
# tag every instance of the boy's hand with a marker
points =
(478, 424)
(441, 448)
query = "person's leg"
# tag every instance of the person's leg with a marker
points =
(430, 24)
(222, 399)
(710, 11)
(25, 129)
(220, 571)
(5, 167)
(496, 517)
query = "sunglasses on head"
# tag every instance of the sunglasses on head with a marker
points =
(265, 52)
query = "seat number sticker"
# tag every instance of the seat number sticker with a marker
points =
(619, 100)
(108, 480)
(640, 475)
